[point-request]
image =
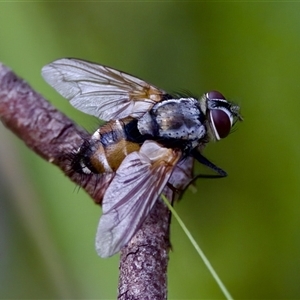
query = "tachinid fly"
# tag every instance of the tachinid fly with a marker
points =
(150, 140)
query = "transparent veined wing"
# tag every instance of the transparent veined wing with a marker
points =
(181, 178)
(101, 91)
(97, 185)
(182, 174)
(132, 193)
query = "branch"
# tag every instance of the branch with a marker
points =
(143, 268)
(53, 136)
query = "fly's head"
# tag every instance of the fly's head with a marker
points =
(221, 115)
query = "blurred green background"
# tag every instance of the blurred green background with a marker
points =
(247, 224)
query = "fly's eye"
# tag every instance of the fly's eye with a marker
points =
(221, 120)
(214, 95)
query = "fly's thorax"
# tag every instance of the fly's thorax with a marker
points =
(178, 119)
(106, 149)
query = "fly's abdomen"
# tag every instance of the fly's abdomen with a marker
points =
(106, 149)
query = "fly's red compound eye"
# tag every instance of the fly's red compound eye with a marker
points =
(214, 95)
(222, 121)
(220, 116)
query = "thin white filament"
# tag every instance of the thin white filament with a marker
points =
(200, 252)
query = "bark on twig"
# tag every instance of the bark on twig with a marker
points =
(53, 136)
(143, 269)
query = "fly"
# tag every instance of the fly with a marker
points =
(151, 139)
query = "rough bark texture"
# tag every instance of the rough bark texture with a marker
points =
(146, 258)
(53, 136)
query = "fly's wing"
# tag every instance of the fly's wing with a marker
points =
(180, 179)
(182, 174)
(132, 193)
(99, 185)
(101, 91)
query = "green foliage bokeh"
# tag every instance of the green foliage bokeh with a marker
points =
(247, 224)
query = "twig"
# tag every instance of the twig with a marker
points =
(53, 136)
